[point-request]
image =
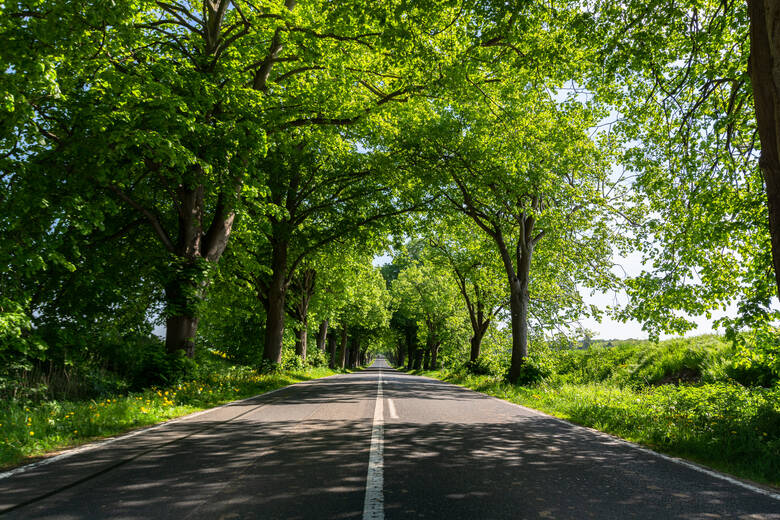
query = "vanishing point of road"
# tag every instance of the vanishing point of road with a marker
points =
(373, 444)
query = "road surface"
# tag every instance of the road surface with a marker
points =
(373, 444)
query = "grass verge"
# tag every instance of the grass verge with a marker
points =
(724, 426)
(29, 430)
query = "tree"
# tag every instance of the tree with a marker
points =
(303, 287)
(181, 100)
(764, 54)
(471, 262)
(691, 83)
(324, 192)
(523, 168)
(426, 293)
(365, 313)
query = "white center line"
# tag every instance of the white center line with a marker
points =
(374, 504)
(391, 407)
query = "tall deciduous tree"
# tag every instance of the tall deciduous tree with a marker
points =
(365, 313)
(765, 80)
(324, 191)
(472, 262)
(180, 100)
(696, 97)
(523, 168)
(425, 292)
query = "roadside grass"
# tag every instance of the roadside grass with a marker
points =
(31, 429)
(635, 363)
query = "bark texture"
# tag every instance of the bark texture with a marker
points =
(765, 77)
(332, 350)
(344, 338)
(518, 278)
(418, 358)
(301, 341)
(193, 250)
(476, 347)
(435, 355)
(322, 335)
(275, 303)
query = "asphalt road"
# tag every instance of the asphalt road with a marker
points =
(435, 451)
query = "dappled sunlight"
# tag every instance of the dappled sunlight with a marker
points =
(539, 468)
(239, 467)
(303, 453)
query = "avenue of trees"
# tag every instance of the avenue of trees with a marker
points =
(229, 171)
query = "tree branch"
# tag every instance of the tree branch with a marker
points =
(150, 217)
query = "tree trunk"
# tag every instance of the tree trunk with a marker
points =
(518, 305)
(355, 352)
(277, 292)
(518, 290)
(399, 361)
(765, 78)
(343, 360)
(303, 284)
(428, 345)
(410, 334)
(332, 350)
(476, 345)
(435, 356)
(479, 324)
(322, 335)
(180, 334)
(181, 325)
(301, 341)
(192, 246)
(418, 356)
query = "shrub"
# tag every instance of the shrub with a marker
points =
(269, 367)
(291, 361)
(317, 358)
(483, 366)
(757, 357)
(535, 369)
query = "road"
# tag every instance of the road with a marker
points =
(373, 444)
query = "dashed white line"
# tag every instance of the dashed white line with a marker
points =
(374, 503)
(391, 408)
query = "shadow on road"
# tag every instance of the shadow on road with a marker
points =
(256, 463)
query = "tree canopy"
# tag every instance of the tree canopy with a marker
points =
(233, 170)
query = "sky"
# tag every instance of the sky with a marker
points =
(611, 329)
(632, 265)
